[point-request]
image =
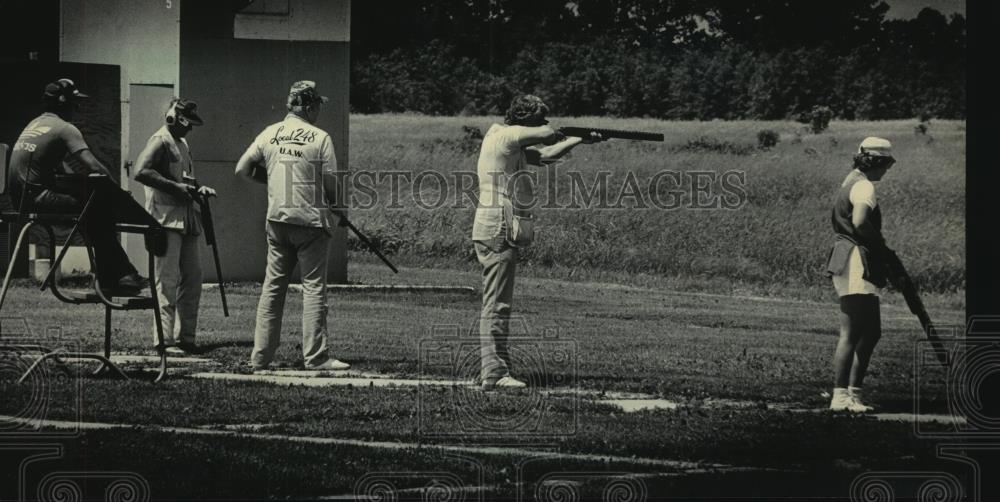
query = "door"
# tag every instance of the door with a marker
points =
(147, 104)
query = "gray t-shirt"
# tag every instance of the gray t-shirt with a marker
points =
(40, 150)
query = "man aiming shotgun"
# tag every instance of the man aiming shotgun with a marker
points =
(503, 222)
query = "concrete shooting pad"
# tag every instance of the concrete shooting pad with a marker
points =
(328, 379)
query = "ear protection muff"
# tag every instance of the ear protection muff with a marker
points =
(172, 117)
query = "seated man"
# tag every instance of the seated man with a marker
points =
(38, 156)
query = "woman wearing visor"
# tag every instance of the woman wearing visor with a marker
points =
(857, 267)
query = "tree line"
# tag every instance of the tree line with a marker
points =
(670, 59)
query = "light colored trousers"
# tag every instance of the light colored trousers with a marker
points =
(286, 245)
(494, 322)
(178, 286)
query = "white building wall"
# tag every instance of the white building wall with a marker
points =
(140, 36)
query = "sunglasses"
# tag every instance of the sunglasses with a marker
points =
(885, 162)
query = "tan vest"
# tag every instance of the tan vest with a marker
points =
(173, 214)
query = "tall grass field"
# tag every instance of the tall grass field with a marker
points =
(774, 233)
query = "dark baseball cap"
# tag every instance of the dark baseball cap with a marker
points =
(303, 93)
(62, 90)
(188, 110)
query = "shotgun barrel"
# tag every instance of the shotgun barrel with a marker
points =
(902, 281)
(583, 132)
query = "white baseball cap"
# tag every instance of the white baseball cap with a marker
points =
(878, 147)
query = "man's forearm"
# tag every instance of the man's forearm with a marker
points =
(86, 158)
(153, 179)
(244, 169)
(559, 149)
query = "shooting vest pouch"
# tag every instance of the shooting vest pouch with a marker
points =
(840, 255)
(519, 221)
(520, 226)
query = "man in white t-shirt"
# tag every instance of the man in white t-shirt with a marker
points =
(301, 180)
(502, 222)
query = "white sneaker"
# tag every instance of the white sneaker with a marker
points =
(841, 400)
(844, 400)
(506, 382)
(859, 405)
(329, 365)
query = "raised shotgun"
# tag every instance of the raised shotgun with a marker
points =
(584, 132)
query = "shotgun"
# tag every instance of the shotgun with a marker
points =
(584, 132)
(344, 222)
(208, 225)
(901, 280)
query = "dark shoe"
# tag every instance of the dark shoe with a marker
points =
(189, 347)
(133, 281)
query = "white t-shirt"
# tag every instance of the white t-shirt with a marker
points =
(863, 192)
(500, 157)
(298, 156)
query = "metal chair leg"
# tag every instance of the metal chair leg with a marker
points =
(160, 344)
(107, 340)
(69, 240)
(10, 268)
(78, 355)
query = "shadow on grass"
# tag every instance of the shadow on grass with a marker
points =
(205, 348)
(924, 406)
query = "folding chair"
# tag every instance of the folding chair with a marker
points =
(133, 219)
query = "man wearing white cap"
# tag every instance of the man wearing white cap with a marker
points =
(301, 180)
(856, 265)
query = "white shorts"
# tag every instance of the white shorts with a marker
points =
(852, 282)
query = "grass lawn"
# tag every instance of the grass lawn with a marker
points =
(690, 348)
(722, 312)
(777, 238)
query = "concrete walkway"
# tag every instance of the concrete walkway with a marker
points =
(628, 402)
